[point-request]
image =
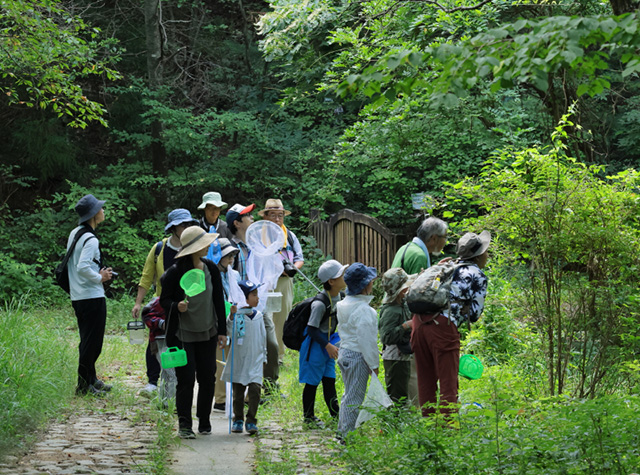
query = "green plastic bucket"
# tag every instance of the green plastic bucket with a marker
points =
(227, 308)
(173, 357)
(193, 282)
(470, 367)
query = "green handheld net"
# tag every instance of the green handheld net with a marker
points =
(193, 282)
(470, 367)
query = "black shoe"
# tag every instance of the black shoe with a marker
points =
(220, 407)
(90, 391)
(205, 430)
(186, 433)
(101, 385)
(313, 423)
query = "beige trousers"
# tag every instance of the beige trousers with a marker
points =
(220, 393)
(285, 286)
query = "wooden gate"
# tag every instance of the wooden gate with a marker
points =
(353, 237)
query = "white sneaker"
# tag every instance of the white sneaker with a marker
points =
(150, 390)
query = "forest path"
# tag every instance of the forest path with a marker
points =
(217, 453)
(91, 440)
(99, 439)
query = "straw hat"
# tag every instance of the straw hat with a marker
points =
(193, 239)
(273, 205)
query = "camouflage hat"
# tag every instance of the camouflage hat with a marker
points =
(394, 281)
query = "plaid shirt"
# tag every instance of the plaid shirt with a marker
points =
(468, 291)
(240, 262)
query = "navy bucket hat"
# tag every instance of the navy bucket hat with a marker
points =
(357, 277)
(87, 207)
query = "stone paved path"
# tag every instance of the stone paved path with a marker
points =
(92, 442)
(99, 442)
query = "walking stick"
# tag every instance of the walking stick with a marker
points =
(233, 342)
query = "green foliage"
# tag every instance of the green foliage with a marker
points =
(35, 381)
(502, 436)
(525, 52)
(577, 234)
(400, 149)
(503, 426)
(44, 53)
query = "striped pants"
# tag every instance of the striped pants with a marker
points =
(355, 376)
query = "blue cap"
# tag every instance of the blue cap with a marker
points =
(247, 286)
(357, 277)
(179, 216)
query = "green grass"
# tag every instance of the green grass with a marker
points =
(35, 383)
(515, 431)
(38, 372)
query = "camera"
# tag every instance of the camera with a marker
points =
(290, 269)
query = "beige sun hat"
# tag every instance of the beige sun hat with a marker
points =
(193, 239)
(273, 204)
(394, 281)
(472, 245)
(212, 198)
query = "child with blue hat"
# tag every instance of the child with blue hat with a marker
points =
(358, 355)
(248, 353)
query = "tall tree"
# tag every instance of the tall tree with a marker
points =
(45, 53)
(153, 26)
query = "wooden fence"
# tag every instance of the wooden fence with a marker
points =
(353, 237)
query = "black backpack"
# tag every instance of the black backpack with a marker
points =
(297, 320)
(61, 273)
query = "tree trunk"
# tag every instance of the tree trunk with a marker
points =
(152, 22)
(247, 38)
(624, 6)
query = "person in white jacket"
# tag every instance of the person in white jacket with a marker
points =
(86, 278)
(248, 354)
(358, 355)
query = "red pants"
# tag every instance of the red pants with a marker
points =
(436, 348)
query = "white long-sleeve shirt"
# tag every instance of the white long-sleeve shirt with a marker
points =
(358, 327)
(85, 281)
(249, 351)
